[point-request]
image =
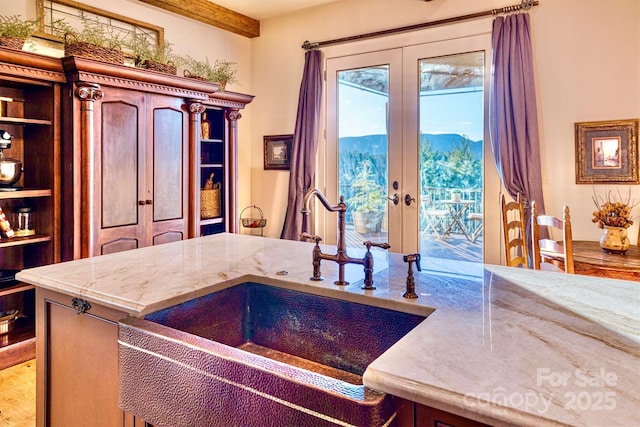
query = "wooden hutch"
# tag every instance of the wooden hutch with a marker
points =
(113, 160)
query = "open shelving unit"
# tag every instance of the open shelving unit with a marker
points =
(30, 87)
(217, 154)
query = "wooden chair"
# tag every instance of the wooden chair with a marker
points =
(549, 254)
(514, 231)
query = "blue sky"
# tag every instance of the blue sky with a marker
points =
(364, 113)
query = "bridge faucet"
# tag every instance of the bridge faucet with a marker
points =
(341, 256)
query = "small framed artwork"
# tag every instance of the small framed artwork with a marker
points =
(607, 152)
(277, 152)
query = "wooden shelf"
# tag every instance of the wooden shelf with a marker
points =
(21, 121)
(211, 165)
(19, 241)
(34, 82)
(210, 221)
(22, 194)
(19, 287)
(218, 140)
(17, 346)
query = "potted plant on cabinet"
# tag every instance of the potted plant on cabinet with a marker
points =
(369, 202)
(95, 40)
(157, 57)
(15, 31)
(221, 72)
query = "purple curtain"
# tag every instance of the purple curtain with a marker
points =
(512, 115)
(305, 143)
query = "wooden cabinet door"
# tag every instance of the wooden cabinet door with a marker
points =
(139, 171)
(77, 369)
(116, 170)
(167, 169)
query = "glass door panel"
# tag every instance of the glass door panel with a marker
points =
(451, 145)
(363, 104)
(364, 137)
(409, 122)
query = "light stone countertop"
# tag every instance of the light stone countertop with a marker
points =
(515, 347)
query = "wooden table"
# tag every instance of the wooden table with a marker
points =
(457, 209)
(591, 260)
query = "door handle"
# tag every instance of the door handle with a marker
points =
(408, 199)
(148, 202)
(395, 199)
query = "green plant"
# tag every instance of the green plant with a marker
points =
(224, 73)
(13, 26)
(221, 72)
(144, 50)
(92, 32)
(369, 195)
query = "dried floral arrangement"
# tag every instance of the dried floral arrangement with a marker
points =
(614, 210)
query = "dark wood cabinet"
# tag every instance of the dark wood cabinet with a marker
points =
(30, 94)
(131, 168)
(216, 159)
(412, 414)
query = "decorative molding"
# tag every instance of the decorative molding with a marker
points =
(195, 107)
(89, 91)
(233, 115)
(27, 65)
(87, 70)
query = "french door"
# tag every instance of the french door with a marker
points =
(405, 128)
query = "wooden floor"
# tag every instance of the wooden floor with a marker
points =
(18, 395)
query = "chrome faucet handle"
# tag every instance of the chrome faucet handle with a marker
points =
(411, 283)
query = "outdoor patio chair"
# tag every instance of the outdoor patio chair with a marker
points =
(476, 218)
(435, 218)
(549, 254)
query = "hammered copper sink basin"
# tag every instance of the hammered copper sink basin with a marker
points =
(258, 355)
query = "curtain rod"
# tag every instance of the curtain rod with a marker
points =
(524, 5)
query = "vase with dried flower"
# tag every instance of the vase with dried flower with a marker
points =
(614, 217)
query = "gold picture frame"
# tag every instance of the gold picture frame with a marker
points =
(607, 152)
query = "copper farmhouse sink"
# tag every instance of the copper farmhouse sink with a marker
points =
(258, 355)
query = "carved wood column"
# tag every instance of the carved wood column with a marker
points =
(233, 115)
(84, 155)
(195, 109)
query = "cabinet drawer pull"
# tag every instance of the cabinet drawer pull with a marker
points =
(141, 202)
(149, 202)
(80, 305)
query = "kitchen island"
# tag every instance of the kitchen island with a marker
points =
(514, 347)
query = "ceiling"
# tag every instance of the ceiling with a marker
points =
(263, 9)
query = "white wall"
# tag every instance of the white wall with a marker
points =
(587, 55)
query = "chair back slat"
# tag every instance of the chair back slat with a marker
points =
(514, 233)
(549, 254)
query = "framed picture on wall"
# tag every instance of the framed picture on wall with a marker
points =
(607, 152)
(277, 152)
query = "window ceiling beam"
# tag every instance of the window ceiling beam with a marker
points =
(211, 14)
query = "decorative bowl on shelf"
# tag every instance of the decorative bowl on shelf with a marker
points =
(7, 319)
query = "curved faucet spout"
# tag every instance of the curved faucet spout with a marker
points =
(341, 256)
(323, 199)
